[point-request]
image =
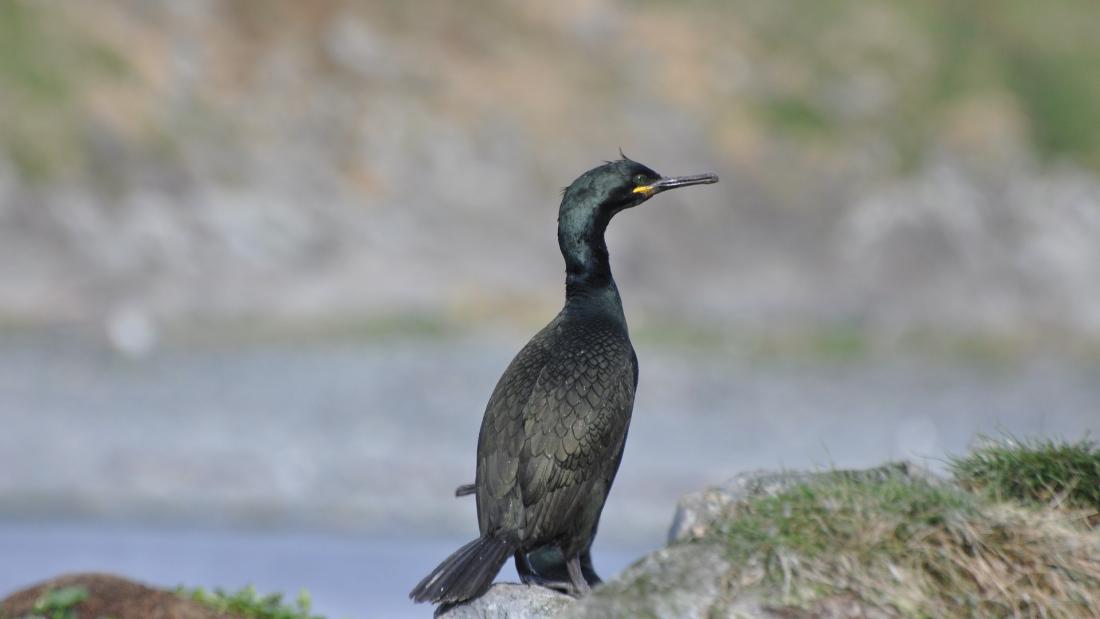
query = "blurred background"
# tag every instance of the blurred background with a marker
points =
(261, 263)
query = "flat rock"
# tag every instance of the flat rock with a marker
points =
(512, 601)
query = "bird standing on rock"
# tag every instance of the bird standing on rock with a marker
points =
(554, 429)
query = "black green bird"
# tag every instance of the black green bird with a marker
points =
(553, 432)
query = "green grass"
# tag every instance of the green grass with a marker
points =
(813, 518)
(795, 115)
(808, 59)
(260, 331)
(46, 65)
(59, 603)
(248, 603)
(1036, 471)
(939, 53)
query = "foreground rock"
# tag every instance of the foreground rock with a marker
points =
(512, 601)
(109, 596)
(694, 577)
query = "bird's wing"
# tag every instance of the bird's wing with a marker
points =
(574, 425)
(501, 439)
(634, 387)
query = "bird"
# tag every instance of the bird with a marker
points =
(552, 436)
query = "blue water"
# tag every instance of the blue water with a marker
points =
(351, 577)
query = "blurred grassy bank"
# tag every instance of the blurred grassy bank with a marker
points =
(904, 168)
(914, 75)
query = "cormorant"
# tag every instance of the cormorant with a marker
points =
(553, 432)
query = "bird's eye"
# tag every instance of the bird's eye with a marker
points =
(640, 179)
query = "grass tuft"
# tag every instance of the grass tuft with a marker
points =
(1035, 471)
(248, 603)
(59, 603)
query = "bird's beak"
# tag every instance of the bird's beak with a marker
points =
(672, 182)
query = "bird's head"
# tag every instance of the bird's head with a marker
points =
(622, 184)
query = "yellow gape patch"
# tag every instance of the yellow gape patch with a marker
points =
(644, 189)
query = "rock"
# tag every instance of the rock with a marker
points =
(110, 596)
(692, 580)
(677, 582)
(694, 577)
(512, 601)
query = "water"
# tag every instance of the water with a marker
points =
(331, 466)
(346, 576)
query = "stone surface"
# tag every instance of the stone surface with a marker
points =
(512, 601)
(684, 581)
(693, 577)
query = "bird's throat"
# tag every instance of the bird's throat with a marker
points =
(581, 239)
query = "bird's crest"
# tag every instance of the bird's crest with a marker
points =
(622, 156)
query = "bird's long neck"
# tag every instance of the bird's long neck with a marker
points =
(587, 268)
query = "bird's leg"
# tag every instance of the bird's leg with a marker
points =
(589, 572)
(580, 586)
(549, 563)
(526, 573)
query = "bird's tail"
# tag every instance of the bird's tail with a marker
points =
(465, 574)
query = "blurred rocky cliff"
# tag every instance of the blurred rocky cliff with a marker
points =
(892, 169)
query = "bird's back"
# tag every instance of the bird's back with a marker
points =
(554, 428)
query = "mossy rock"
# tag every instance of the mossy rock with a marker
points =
(104, 596)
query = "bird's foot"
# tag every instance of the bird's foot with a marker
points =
(579, 592)
(580, 586)
(562, 586)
